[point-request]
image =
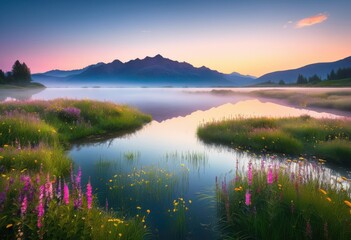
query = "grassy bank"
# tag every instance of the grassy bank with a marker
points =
(339, 100)
(34, 135)
(324, 138)
(294, 200)
(22, 86)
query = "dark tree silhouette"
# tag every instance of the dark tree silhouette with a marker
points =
(20, 73)
(2, 77)
(281, 82)
(301, 79)
(314, 79)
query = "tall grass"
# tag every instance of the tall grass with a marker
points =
(290, 201)
(324, 138)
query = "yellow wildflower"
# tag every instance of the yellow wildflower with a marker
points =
(6, 145)
(148, 211)
(329, 199)
(138, 207)
(347, 203)
(9, 225)
(323, 191)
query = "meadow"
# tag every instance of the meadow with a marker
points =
(328, 139)
(36, 193)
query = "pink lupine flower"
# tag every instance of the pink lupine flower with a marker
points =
(89, 195)
(65, 194)
(248, 198)
(41, 210)
(106, 205)
(24, 206)
(249, 174)
(48, 188)
(270, 175)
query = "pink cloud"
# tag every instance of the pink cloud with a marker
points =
(309, 21)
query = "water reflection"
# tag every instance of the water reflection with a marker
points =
(169, 156)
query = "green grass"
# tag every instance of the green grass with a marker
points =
(297, 204)
(41, 129)
(335, 83)
(324, 138)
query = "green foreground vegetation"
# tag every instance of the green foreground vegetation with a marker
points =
(324, 138)
(35, 195)
(290, 200)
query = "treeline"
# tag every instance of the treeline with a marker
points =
(20, 74)
(341, 73)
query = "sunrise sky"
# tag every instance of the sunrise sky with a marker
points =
(249, 37)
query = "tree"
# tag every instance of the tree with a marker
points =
(332, 75)
(2, 77)
(301, 79)
(281, 82)
(20, 73)
(314, 79)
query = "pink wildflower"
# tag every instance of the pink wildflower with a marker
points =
(248, 198)
(65, 194)
(270, 175)
(41, 210)
(24, 206)
(89, 195)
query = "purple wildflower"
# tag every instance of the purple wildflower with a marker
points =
(89, 195)
(41, 210)
(106, 205)
(59, 190)
(248, 198)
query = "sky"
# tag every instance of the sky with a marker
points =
(247, 36)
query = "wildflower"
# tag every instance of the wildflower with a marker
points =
(9, 225)
(323, 191)
(89, 195)
(347, 203)
(248, 198)
(270, 175)
(59, 189)
(24, 206)
(106, 205)
(148, 211)
(48, 188)
(138, 207)
(41, 210)
(65, 194)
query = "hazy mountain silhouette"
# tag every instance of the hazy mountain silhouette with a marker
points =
(150, 71)
(321, 69)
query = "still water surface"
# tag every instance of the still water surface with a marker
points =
(164, 162)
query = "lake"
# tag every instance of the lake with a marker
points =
(164, 167)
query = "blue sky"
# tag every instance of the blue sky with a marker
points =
(250, 37)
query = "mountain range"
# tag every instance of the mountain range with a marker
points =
(320, 69)
(158, 71)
